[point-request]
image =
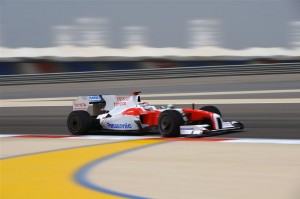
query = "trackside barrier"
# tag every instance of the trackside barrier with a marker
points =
(139, 74)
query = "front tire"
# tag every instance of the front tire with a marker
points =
(169, 123)
(79, 122)
(212, 109)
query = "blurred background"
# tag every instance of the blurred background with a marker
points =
(51, 36)
(255, 45)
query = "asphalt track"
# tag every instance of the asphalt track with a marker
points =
(261, 120)
(268, 120)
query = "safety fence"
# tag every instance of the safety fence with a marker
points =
(37, 65)
(156, 73)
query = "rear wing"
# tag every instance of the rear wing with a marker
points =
(104, 103)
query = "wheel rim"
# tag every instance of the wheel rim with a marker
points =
(74, 123)
(165, 123)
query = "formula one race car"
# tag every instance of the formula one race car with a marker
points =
(128, 114)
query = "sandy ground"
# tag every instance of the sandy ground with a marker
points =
(205, 170)
(187, 169)
(21, 146)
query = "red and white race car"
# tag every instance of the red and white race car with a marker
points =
(128, 114)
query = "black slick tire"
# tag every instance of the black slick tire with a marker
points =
(169, 123)
(212, 109)
(79, 122)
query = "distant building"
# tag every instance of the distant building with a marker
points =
(295, 34)
(135, 36)
(203, 33)
(92, 31)
(63, 35)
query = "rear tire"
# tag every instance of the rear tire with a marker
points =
(212, 109)
(79, 122)
(169, 123)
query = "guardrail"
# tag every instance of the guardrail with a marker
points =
(157, 73)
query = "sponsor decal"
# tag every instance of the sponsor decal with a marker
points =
(186, 129)
(80, 104)
(120, 103)
(94, 98)
(122, 99)
(119, 126)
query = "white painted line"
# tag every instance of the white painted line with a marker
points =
(227, 101)
(224, 93)
(34, 103)
(40, 99)
(264, 141)
(67, 101)
(120, 137)
(83, 137)
(8, 135)
(154, 102)
(90, 137)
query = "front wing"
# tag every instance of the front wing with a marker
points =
(202, 129)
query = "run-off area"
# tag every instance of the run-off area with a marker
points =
(150, 168)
